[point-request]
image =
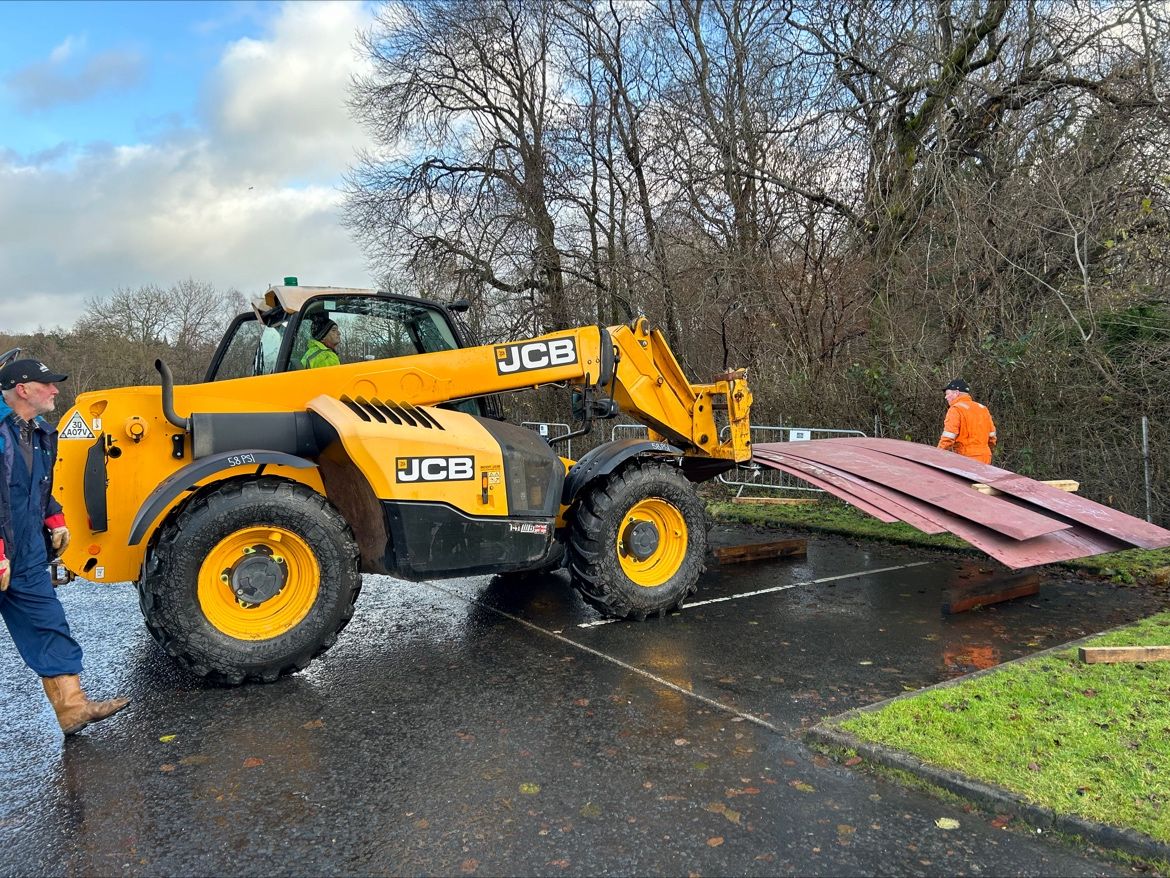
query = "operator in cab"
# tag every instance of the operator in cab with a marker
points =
(322, 349)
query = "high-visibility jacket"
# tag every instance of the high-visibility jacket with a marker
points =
(968, 429)
(318, 355)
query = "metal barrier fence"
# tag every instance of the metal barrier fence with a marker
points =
(752, 475)
(546, 430)
(628, 431)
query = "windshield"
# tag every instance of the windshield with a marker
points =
(368, 328)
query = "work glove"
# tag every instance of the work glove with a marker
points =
(59, 538)
(5, 569)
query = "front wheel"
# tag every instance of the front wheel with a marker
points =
(637, 541)
(251, 581)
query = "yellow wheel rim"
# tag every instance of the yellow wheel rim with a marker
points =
(648, 562)
(258, 583)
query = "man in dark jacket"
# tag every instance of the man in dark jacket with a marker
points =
(32, 532)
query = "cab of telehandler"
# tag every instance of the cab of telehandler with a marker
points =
(274, 336)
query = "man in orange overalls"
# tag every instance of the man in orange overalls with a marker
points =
(968, 429)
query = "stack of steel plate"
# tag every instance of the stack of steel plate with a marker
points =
(1021, 522)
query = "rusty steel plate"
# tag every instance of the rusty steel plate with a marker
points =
(923, 483)
(1063, 545)
(1086, 512)
(1077, 541)
(858, 492)
(818, 480)
(931, 456)
(1073, 507)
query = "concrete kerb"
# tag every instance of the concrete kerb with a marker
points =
(989, 797)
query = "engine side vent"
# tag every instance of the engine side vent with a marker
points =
(368, 411)
(401, 414)
(365, 410)
(376, 411)
(412, 413)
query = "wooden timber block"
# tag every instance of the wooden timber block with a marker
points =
(775, 501)
(1112, 654)
(1063, 484)
(761, 551)
(980, 593)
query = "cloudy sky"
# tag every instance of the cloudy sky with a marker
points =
(148, 142)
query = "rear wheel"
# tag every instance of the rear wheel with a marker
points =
(637, 541)
(252, 580)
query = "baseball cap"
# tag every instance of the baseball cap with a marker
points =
(22, 371)
(958, 384)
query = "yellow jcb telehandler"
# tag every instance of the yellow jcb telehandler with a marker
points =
(246, 507)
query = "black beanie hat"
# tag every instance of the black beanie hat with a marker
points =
(321, 328)
(958, 384)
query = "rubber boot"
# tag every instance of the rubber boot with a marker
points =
(74, 710)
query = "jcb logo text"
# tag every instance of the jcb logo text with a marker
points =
(535, 355)
(434, 469)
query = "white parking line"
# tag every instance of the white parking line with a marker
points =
(710, 702)
(773, 590)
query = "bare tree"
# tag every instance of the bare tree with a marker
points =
(460, 101)
(126, 331)
(902, 101)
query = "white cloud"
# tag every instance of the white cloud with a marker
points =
(247, 200)
(279, 104)
(65, 49)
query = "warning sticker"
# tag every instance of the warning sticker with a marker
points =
(527, 528)
(77, 428)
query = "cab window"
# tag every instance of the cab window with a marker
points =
(250, 347)
(372, 328)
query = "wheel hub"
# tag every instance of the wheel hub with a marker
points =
(640, 539)
(257, 577)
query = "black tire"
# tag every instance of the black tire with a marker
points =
(313, 589)
(600, 568)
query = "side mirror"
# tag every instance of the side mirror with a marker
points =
(586, 407)
(459, 306)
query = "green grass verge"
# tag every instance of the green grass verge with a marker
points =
(1086, 739)
(833, 516)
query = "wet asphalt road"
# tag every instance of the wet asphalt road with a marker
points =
(490, 727)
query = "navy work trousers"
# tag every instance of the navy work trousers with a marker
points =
(36, 620)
